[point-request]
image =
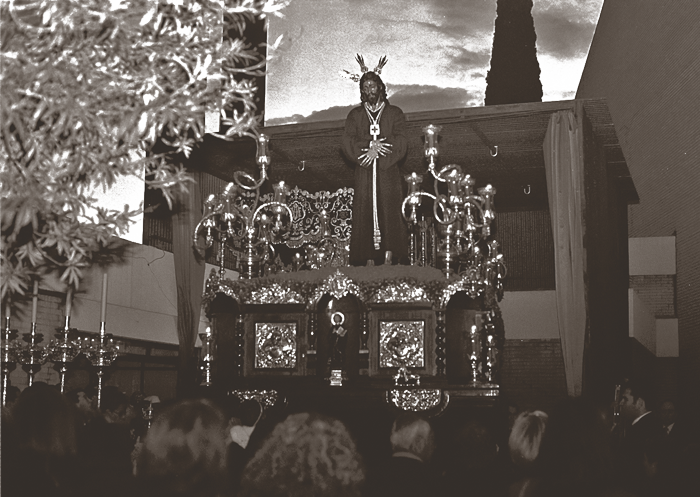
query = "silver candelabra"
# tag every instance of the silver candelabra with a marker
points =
(228, 218)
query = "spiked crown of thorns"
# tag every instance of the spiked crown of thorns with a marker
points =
(363, 68)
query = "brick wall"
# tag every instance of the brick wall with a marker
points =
(533, 373)
(658, 292)
(644, 62)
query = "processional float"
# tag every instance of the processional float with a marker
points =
(457, 240)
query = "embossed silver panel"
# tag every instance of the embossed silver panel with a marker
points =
(275, 345)
(401, 343)
(415, 400)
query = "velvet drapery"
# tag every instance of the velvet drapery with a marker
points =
(189, 277)
(563, 156)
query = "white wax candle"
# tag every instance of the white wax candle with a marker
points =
(103, 314)
(69, 300)
(35, 300)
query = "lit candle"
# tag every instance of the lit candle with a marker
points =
(35, 300)
(431, 133)
(69, 300)
(8, 309)
(103, 314)
(263, 158)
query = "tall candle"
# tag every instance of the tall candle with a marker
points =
(35, 300)
(69, 300)
(103, 314)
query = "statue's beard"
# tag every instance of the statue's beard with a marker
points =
(372, 98)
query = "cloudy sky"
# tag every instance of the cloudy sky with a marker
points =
(439, 52)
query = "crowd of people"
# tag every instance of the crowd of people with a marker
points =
(57, 444)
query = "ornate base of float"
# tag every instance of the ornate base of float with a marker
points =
(416, 340)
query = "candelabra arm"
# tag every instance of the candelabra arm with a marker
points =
(449, 215)
(255, 184)
(440, 176)
(270, 204)
(408, 198)
(195, 235)
(475, 201)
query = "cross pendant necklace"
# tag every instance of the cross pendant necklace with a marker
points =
(374, 121)
(374, 131)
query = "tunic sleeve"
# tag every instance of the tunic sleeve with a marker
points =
(396, 125)
(353, 139)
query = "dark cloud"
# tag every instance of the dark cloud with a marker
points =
(461, 23)
(417, 98)
(335, 113)
(561, 33)
(463, 60)
(464, 18)
(411, 98)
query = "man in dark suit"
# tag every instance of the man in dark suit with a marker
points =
(407, 473)
(679, 456)
(639, 450)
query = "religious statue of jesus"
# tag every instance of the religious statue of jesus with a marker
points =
(375, 141)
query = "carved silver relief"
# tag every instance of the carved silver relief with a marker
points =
(401, 343)
(275, 294)
(275, 345)
(266, 398)
(416, 400)
(399, 292)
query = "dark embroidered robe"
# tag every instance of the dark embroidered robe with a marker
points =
(390, 188)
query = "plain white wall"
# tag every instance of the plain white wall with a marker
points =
(642, 324)
(141, 296)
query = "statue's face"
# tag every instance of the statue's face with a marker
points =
(370, 90)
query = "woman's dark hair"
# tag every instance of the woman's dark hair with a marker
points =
(39, 450)
(45, 422)
(184, 452)
(371, 76)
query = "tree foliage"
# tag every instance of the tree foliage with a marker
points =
(514, 76)
(88, 88)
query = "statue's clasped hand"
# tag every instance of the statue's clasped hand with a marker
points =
(377, 148)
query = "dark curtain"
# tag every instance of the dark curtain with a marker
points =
(189, 277)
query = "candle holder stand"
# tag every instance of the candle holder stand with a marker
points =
(475, 354)
(63, 351)
(101, 352)
(32, 356)
(207, 357)
(9, 356)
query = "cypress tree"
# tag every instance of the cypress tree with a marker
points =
(514, 76)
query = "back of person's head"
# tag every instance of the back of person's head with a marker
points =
(184, 452)
(575, 456)
(474, 445)
(411, 433)
(638, 389)
(45, 422)
(667, 412)
(307, 454)
(526, 437)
